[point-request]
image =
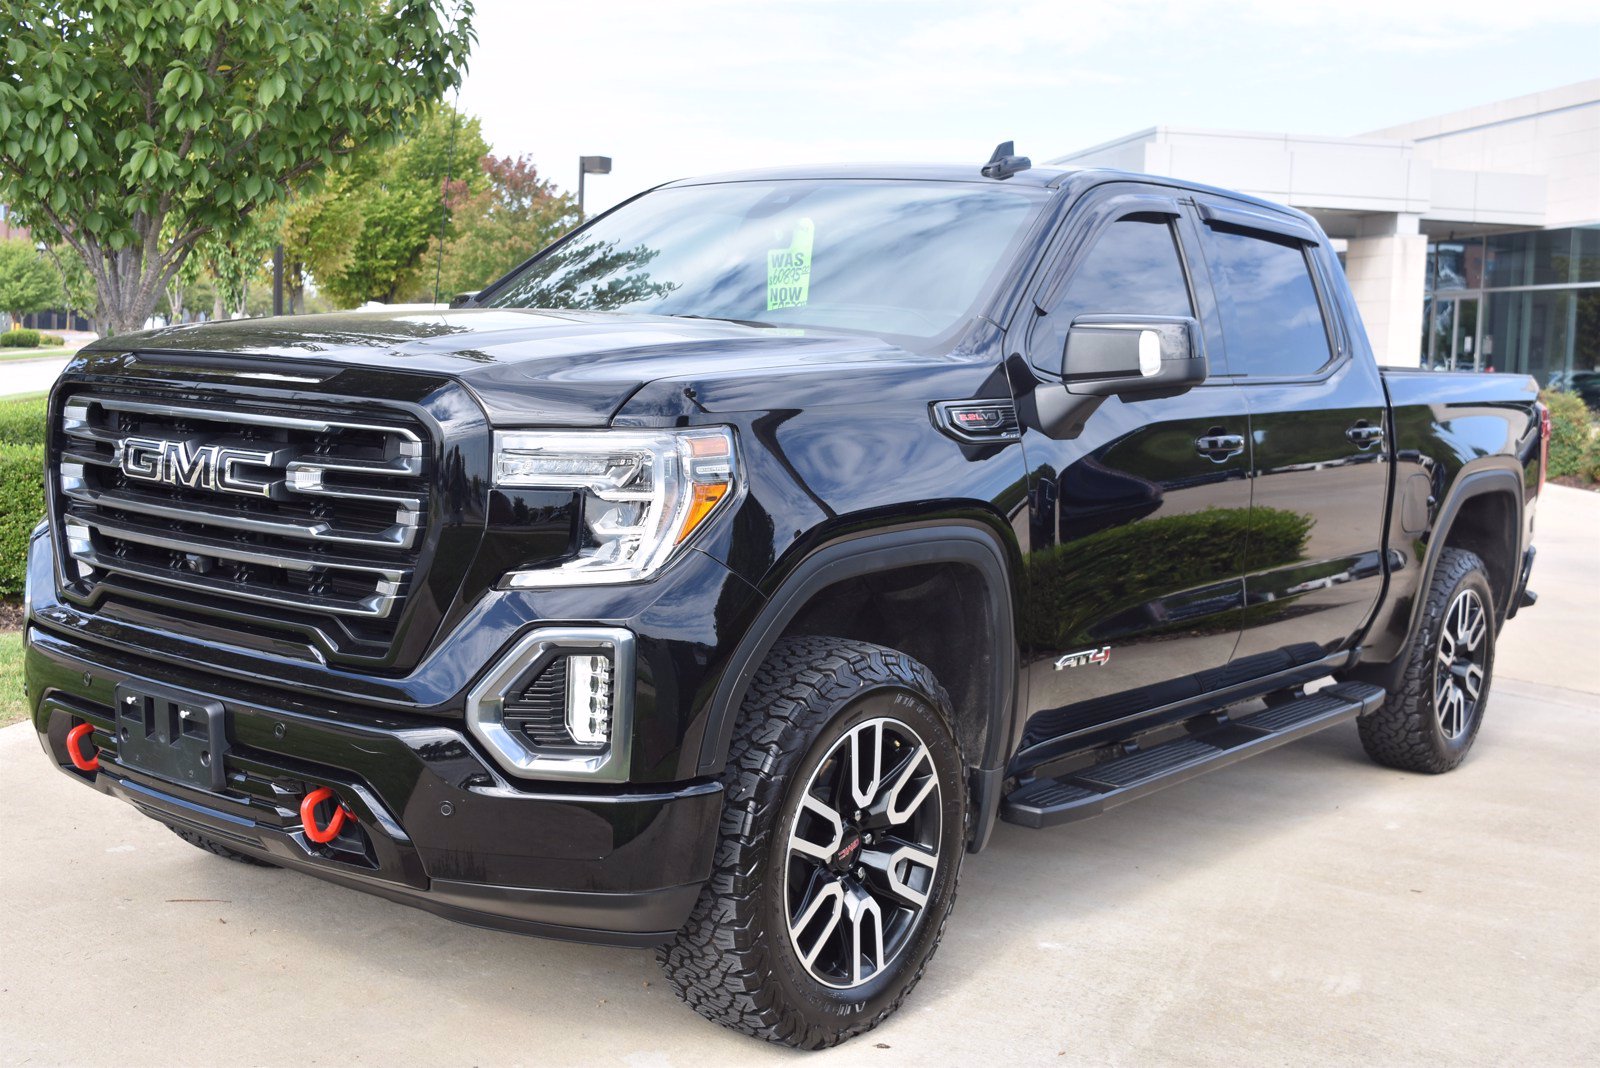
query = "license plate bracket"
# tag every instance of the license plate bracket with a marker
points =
(173, 735)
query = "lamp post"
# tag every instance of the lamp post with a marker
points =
(590, 165)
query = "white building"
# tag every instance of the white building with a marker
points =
(1471, 240)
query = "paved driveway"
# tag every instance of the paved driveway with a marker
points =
(1304, 907)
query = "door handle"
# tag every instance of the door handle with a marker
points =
(1364, 434)
(1219, 447)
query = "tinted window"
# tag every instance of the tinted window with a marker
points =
(1271, 315)
(1133, 269)
(896, 257)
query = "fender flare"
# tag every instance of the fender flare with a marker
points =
(1467, 486)
(956, 542)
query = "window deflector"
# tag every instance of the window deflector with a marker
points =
(1240, 218)
(1077, 242)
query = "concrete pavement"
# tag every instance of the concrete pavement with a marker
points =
(1303, 907)
(30, 376)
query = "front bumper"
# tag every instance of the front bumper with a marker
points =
(439, 827)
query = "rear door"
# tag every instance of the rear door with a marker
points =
(1136, 526)
(1319, 472)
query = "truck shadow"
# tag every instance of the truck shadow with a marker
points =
(1029, 889)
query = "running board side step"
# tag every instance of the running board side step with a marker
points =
(1090, 791)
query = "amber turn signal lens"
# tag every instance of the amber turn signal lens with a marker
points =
(704, 500)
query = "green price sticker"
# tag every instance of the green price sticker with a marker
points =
(789, 270)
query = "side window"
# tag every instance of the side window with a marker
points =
(1133, 269)
(1270, 313)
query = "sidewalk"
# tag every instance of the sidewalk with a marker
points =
(30, 376)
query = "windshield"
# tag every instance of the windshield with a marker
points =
(909, 258)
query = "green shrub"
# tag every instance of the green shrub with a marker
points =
(1574, 448)
(21, 508)
(21, 485)
(19, 338)
(52, 340)
(22, 420)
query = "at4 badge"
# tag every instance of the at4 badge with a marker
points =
(1100, 656)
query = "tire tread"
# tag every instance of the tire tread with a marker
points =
(718, 964)
(1401, 733)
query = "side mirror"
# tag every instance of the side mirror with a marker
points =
(1136, 357)
(463, 300)
(1132, 356)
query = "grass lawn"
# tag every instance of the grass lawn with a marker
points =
(12, 707)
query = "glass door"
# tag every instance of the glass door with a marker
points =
(1453, 335)
(1467, 350)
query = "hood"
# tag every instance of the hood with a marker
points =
(531, 368)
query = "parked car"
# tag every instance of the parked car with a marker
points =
(716, 580)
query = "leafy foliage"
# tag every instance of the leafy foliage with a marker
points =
(233, 257)
(401, 199)
(27, 281)
(21, 485)
(1574, 441)
(76, 285)
(135, 129)
(19, 338)
(498, 227)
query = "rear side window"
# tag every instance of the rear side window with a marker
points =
(1270, 313)
(1133, 269)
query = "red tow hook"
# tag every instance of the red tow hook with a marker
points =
(75, 739)
(308, 816)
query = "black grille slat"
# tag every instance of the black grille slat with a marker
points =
(539, 710)
(329, 543)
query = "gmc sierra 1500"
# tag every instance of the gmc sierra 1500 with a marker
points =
(716, 580)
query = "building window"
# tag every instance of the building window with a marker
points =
(1527, 303)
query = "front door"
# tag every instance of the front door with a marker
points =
(1318, 415)
(1137, 526)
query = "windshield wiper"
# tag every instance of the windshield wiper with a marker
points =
(723, 319)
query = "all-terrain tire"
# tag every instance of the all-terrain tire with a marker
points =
(733, 962)
(211, 845)
(1406, 732)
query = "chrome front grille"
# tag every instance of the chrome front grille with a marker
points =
(301, 519)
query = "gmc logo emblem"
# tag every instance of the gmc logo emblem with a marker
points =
(185, 463)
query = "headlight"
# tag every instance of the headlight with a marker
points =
(645, 493)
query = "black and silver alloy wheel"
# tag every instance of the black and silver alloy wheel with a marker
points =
(1457, 675)
(1435, 707)
(863, 853)
(843, 828)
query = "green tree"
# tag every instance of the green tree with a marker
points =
(135, 129)
(320, 226)
(405, 194)
(27, 281)
(76, 283)
(516, 215)
(237, 256)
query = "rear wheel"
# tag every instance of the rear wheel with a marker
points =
(1432, 721)
(841, 840)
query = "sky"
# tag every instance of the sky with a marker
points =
(673, 88)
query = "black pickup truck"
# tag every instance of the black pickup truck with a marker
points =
(717, 579)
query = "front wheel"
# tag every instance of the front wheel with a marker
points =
(1431, 722)
(842, 836)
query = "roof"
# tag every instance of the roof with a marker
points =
(1038, 177)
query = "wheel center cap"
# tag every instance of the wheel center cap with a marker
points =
(849, 851)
